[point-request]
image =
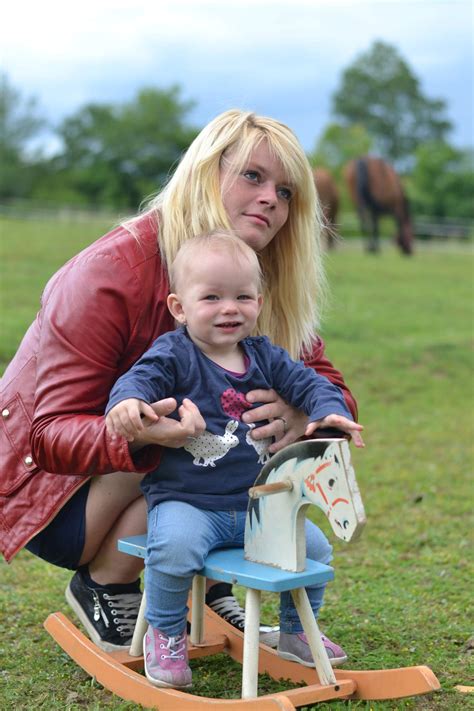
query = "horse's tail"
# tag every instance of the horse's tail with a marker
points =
(364, 195)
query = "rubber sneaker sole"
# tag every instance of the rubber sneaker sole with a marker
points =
(163, 684)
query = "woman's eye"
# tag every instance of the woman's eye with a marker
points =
(285, 193)
(251, 175)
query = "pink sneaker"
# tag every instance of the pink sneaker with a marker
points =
(166, 659)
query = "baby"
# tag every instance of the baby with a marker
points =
(197, 497)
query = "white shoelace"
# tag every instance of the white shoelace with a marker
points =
(230, 610)
(124, 610)
(175, 645)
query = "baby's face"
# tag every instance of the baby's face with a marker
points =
(219, 300)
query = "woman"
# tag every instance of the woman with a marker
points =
(69, 490)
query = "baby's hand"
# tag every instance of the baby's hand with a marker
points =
(125, 418)
(341, 423)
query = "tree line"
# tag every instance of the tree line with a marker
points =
(114, 155)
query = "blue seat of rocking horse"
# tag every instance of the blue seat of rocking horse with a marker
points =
(230, 566)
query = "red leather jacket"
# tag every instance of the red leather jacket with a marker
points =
(99, 313)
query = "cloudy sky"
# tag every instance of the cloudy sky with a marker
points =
(281, 58)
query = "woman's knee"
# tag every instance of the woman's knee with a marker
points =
(112, 507)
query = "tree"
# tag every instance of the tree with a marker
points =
(338, 144)
(117, 155)
(19, 123)
(443, 181)
(380, 92)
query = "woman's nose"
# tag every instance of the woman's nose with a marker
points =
(268, 193)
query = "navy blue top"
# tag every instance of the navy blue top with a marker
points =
(215, 470)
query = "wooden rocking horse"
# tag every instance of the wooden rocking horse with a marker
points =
(313, 472)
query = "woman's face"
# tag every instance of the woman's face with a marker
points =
(257, 200)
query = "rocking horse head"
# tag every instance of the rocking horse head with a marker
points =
(312, 472)
(331, 485)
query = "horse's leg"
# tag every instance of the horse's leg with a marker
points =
(363, 220)
(399, 237)
(373, 244)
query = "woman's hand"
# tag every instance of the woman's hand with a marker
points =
(168, 432)
(287, 424)
(340, 423)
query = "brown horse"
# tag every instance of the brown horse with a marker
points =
(329, 198)
(376, 190)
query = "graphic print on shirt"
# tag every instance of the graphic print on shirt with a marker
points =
(208, 448)
(260, 445)
(234, 404)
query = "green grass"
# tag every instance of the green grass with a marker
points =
(30, 252)
(401, 331)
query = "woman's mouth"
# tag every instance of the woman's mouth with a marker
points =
(259, 219)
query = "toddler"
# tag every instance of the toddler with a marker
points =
(197, 497)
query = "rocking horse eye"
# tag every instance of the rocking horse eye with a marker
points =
(331, 483)
(345, 523)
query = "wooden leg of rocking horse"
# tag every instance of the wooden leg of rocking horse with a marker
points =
(136, 648)
(198, 599)
(251, 641)
(321, 660)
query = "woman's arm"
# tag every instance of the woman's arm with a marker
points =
(321, 364)
(92, 329)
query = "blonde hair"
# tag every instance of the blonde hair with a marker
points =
(222, 241)
(191, 203)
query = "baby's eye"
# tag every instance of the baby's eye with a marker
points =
(285, 193)
(211, 297)
(244, 297)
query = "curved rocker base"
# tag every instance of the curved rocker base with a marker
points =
(118, 672)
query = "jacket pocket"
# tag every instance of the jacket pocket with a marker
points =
(17, 464)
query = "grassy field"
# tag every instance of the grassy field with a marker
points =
(401, 331)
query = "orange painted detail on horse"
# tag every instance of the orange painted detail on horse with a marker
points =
(312, 485)
(322, 493)
(309, 481)
(340, 500)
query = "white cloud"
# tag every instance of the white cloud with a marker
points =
(275, 56)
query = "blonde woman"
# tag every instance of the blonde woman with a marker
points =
(100, 312)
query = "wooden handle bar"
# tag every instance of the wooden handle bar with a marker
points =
(256, 492)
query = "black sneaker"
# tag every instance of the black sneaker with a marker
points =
(107, 613)
(226, 606)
